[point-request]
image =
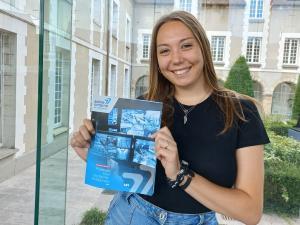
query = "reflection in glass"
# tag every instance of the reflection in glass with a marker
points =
(54, 113)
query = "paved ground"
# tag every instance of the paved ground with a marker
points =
(17, 196)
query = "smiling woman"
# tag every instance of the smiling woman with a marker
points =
(210, 146)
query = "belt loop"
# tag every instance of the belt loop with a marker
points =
(128, 196)
(201, 218)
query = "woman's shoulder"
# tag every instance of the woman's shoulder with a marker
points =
(248, 103)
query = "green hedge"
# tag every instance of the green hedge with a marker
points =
(282, 175)
(282, 149)
(279, 127)
(282, 183)
(93, 217)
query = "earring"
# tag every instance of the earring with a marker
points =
(159, 70)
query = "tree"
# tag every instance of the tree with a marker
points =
(239, 78)
(296, 105)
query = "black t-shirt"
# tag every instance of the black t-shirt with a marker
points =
(209, 153)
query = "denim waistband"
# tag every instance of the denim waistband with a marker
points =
(162, 215)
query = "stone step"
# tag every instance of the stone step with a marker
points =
(5, 153)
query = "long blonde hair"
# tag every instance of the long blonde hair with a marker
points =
(160, 89)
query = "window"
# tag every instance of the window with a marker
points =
(146, 45)
(97, 12)
(217, 48)
(115, 19)
(128, 33)
(186, 5)
(283, 98)
(256, 9)
(141, 86)
(64, 21)
(8, 92)
(96, 80)
(290, 51)
(58, 90)
(257, 91)
(253, 49)
(113, 80)
(126, 87)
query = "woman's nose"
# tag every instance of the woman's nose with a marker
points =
(176, 57)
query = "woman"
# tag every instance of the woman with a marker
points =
(210, 147)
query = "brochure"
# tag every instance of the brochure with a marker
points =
(122, 156)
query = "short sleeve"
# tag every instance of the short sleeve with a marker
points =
(252, 131)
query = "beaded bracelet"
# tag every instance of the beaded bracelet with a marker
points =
(190, 176)
(180, 175)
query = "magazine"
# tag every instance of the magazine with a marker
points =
(121, 155)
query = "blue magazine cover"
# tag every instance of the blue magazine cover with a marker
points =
(122, 156)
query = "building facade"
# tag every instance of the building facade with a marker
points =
(109, 52)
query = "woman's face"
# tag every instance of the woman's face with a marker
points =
(179, 55)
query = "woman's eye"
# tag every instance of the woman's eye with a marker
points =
(186, 46)
(163, 51)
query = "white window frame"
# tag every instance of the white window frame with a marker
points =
(146, 54)
(227, 35)
(128, 32)
(58, 61)
(97, 12)
(97, 76)
(113, 63)
(289, 56)
(126, 86)
(194, 8)
(256, 9)
(185, 5)
(98, 56)
(251, 59)
(280, 64)
(142, 32)
(218, 48)
(115, 19)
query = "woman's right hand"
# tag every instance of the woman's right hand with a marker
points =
(81, 139)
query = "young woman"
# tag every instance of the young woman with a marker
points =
(210, 146)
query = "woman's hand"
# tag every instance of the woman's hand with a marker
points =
(81, 139)
(167, 152)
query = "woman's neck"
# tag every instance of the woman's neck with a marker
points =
(192, 97)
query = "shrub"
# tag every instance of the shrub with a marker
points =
(296, 105)
(282, 175)
(93, 217)
(282, 149)
(239, 78)
(278, 126)
(282, 182)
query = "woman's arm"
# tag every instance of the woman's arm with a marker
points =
(243, 202)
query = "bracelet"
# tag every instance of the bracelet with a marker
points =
(190, 175)
(180, 175)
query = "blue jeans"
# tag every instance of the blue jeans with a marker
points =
(131, 209)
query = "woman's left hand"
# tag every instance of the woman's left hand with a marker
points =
(167, 152)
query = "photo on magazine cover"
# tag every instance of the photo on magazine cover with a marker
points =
(144, 153)
(122, 156)
(114, 164)
(139, 122)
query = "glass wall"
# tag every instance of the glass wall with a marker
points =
(53, 111)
